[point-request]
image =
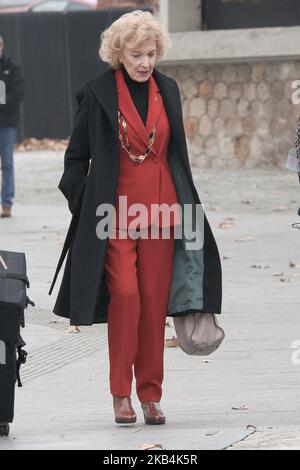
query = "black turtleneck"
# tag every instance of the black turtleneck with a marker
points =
(139, 94)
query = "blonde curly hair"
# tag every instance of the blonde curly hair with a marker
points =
(134, 27)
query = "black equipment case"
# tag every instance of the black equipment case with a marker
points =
(13, 302)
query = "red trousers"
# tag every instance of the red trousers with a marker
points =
(138, 274)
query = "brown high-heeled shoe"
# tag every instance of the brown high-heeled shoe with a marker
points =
(153, 413)
(124, 413)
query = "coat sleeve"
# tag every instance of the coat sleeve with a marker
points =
(15, 90)
(77, 155)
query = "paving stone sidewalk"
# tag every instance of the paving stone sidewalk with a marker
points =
(251, 380)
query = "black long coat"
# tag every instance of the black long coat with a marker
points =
(90, 178)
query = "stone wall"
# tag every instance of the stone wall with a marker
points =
(238, 115)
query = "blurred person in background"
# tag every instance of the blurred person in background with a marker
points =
(12, 83)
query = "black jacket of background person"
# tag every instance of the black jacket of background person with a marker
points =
(11, 74)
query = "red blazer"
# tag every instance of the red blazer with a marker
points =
(151, 181)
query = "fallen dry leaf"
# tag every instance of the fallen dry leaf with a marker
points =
(147, 446)
(293, 265)
(226, 225)
(282, 277)
(172, 343)
(73, 329)
(251, 426)
(259, 266)
(244, 239)
(285, 279)
(240, 408)
(167, 324)
(227, 222)
(42, 144)
(295, 276)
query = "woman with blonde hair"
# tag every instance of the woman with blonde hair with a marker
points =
(128, 142)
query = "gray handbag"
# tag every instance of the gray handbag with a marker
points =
(198, 334)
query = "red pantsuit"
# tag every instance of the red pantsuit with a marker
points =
(139, 272)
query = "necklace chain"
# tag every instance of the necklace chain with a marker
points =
(136, 159)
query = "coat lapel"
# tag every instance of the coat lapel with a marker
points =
(130, 112)
(105, 90)
(171, 102)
